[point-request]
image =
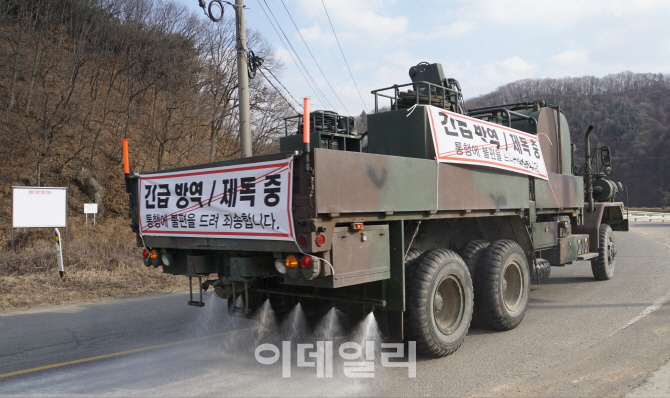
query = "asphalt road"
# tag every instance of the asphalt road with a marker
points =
(580, 337)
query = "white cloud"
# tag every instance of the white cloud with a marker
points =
(489, 76)
(359, 20)
(453, 30)
(284, 56)
(313, 34)
(569, 63)
(513, 66)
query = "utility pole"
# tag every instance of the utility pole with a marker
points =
(242, 80)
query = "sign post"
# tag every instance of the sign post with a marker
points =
(41, 207)
(59, 254)
(90, 208)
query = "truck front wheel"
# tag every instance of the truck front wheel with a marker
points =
(439, 303)
(603, 265)
(503, 285)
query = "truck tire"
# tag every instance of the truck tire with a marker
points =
(470, 253)
(410, 262)
(603, 265)
(439, 303)
(410, 266)
(542, 269)
(503, 285)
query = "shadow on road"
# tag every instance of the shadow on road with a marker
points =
(566, 280)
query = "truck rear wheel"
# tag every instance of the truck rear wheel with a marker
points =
(410, 262)
(603, 265)
(503, 285)
(470, 253)
(439, 303)
(410, 266)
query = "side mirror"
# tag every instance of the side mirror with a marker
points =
(605, 156)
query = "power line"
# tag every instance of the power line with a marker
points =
(314, 58)
(345, 58)
(299, 62)
(280, 93)
(316, 18)
(290, 53)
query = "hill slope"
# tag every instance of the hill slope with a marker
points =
(630, 113)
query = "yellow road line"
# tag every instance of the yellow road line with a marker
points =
(19, 372)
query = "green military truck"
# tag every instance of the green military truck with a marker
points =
(435, 212)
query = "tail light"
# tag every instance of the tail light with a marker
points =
(306, 262)
(302, 240)
(280, 266)
(310, 266)
(292, 268)
(155, 259)
(167, 259)
(320, 240)
(145, 256)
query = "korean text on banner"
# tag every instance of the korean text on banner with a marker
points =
(465, 140)
(248, 201)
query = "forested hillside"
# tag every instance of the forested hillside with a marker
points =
(78, 76)
(630, 113)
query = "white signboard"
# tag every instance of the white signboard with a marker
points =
(247, 201)
(90, 208)
(38, 207)
(465, 140)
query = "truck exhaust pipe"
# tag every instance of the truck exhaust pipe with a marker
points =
(587, 172)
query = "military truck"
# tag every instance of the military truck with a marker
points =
(435, 213)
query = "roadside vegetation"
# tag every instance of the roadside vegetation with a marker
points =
(79, 76)
(101, 262)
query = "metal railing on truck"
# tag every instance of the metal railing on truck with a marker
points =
(441, 97)
(438, 98)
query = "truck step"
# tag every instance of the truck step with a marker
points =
(587, 256)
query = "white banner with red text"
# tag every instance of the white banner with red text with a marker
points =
(246, 201)
(465, 140)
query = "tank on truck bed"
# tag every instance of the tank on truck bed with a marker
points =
(435, 209)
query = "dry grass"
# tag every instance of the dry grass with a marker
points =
(101, 262)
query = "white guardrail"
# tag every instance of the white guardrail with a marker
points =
(635, 215)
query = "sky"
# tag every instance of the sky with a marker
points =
(484, 44)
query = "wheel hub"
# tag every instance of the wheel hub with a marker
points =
(512, 286)
(439, 303)
(449, 304)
